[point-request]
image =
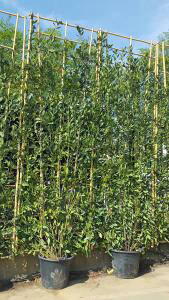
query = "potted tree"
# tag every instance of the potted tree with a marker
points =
(56, 247)
(130, 219)
(130, 225)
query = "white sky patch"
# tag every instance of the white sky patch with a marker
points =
(15, 6)
(159, 23)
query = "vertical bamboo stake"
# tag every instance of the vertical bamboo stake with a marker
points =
(150, 58)
(107, 68)
(107, 48)
(98, 57)
(15, 34)
(98, 67)
(78, 139)
(68, 122)
(131, 39)
(91, 40)
(91, 177)
(13, 47)
(164, 65)
(23, 99)
(18, 162)
(92, 154)
(40, 138)
(21, 142)
(64, 58)
(58, 166)
(9, 83)
(155, 134)
(149, 68)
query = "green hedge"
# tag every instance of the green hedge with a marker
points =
(85, 151)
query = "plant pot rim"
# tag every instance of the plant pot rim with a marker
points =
(125, 251)
(57, 259)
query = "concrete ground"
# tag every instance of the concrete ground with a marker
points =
(150, 286)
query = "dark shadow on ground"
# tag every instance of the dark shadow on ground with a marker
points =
(146, 266)
(5, 285)
(82, 276)
(78, 277)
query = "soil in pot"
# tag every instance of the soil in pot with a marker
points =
(54, 272)
(125, 263)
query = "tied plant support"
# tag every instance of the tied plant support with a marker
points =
(84, 146)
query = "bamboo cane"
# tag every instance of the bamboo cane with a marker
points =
(9, 83)
(58, 166)
(98, 66)
(131, 39)
(95, 30)
(125, 51)
(21, 143)
(6, 47)
(149, 68)
(15, 34)
(96, 96)
(155, 134)
(24, 87)
(164, 65)
(130, 47)
(11, 14)
(107, 67)
(13, 48)
(79, 42)
(14, 237)
(91, 177)
(98, 57)
(64, 58)
(91, 40)
(150, 58)
(40, 139)
(60, 38)
(78, 139)
(77, 152)
(23, 99)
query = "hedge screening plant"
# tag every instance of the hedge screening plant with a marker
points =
(54, 215)
(132, 216)
(10, 80)
(88, 149)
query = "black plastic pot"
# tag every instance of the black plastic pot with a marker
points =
(54, 273)
(125, 263)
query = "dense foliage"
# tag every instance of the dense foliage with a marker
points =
(77, 150)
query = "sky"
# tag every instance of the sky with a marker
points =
(144, 19)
